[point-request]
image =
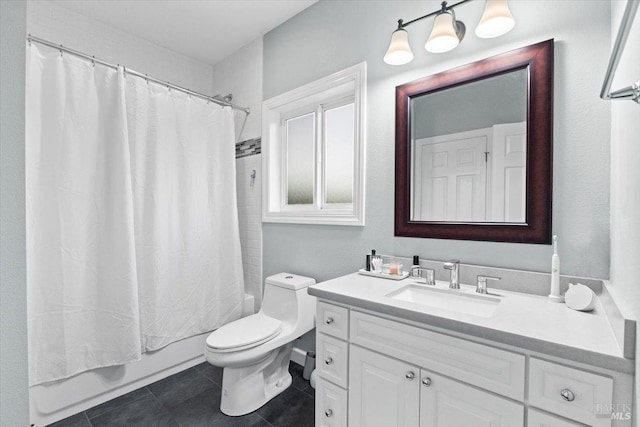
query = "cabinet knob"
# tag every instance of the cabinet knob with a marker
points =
(426, 381)
(567, 395)
(328, 361)
(329, 320)
(328, 413)
(410, 375)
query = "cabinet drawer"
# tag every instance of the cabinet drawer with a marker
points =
(332, 359)
(331, 405)
(572, 393)
(490, 368)
(333, 320)
(541, 419)
(445, 402)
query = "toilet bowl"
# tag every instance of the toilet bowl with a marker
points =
(255, 351)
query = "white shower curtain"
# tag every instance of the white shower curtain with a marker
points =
(132, 230)
(81, 268)
(186, 217)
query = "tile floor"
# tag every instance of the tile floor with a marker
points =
(191, 398)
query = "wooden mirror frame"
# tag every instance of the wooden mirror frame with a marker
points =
(538, 60)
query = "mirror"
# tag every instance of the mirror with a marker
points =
(474, 148)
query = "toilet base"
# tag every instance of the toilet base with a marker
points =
(248, 388)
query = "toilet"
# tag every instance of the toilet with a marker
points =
(255, 351)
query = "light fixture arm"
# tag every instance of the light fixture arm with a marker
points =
(444, 8)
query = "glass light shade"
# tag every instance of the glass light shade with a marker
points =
(496, 20)
(443, 36)
(399, 52)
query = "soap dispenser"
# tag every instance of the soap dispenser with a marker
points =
(416, 263)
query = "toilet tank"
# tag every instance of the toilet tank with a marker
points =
(290, 281)
(286, 298)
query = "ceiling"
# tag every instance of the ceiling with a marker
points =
(208, 30)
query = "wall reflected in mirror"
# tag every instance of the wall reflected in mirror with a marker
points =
(469, 151)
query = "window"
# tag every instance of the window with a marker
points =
(313, 154)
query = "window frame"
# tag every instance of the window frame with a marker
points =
(339, 89)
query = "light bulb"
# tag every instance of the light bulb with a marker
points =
(496, 20)
(443, 36)
(399, 52)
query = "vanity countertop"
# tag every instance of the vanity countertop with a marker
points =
(522, 320)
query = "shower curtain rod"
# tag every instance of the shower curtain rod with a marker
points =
(61, 48)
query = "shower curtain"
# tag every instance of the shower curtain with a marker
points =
(132, 230)
(186, 218)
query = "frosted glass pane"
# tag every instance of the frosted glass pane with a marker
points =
(338, 148)
(300, 169)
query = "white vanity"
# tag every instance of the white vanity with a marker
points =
(386, 358)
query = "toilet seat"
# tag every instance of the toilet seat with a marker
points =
(244, 333)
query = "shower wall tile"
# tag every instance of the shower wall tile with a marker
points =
(249, 147)
(249, 191)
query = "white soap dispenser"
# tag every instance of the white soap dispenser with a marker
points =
(555, 296)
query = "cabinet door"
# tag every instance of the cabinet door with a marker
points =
(448, 403)
(383, 392)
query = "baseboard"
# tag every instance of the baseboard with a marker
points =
(298, 356)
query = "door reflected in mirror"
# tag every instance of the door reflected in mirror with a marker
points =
(469, 151)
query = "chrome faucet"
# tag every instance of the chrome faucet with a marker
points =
(454, 266)
(428, 279)
(482, 283)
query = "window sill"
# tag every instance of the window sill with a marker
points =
(316, 217)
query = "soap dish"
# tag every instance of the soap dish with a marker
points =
(401, 276)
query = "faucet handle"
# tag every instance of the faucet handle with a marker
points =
(429, 278)
(482, 277)
(482, 283)
(451, 263)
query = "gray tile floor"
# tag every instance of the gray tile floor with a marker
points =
(192, 398)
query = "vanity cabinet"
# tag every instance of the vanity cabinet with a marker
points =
(383, 391)
(568, 391)
(448, 403)
(540, 419)
(387, 392)
(333, 401)
(376, 370)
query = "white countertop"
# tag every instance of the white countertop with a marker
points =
(522, 320)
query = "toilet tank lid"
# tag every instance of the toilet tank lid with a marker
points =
(290, 281)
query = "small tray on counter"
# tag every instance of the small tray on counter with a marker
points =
(400, 276)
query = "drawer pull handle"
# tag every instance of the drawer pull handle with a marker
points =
(328, 413)
(426, 381)
(567, 395)
(328, 361)
(329, 320)
(410, 375)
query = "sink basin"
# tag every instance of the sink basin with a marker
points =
(450, 300)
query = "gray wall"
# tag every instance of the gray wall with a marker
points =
(477, 105)
(332, 35)
(14, 398)
(625, 176)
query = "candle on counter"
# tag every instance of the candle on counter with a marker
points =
(394, 269)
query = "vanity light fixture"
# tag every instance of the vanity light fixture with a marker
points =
(399, 52)
(496, 20)
(447, 32)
